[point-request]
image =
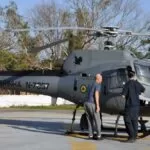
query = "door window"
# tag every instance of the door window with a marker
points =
(115, 80)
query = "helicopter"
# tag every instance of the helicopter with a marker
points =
(78, 73)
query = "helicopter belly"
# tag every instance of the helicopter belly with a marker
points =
(113, 104)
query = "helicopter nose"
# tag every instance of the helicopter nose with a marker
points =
(146, 94)
(142, 70)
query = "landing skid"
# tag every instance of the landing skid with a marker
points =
(141, 121)
(116, 125)
(143, 126)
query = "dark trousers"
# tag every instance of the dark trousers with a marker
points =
(131, 121)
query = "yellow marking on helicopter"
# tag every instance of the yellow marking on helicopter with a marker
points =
(83, 88)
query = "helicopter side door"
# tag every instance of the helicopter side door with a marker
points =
(113, 82)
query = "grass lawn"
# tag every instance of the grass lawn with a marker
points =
(50, 107)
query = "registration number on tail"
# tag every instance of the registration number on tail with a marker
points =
(37, 85)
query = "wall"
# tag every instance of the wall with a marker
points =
(30, 100)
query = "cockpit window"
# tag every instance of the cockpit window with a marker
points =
(143, 72)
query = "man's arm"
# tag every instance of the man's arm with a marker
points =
(97, 101)
(141, 88)
(125, 91)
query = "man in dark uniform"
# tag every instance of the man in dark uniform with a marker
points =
(92, 108)
(131, 92)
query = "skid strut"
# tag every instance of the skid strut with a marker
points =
(73, 120)
(116, 125)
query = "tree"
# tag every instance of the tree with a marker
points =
(137, 54)
(125, 14)
(19, 61)
(18, 42)
(86, 13)
(47, 15)
(11, 19)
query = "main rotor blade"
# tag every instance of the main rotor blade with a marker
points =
(102, 31)
(38, 49)
(130, 33)
(51, 28)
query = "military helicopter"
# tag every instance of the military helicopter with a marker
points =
(78, 73)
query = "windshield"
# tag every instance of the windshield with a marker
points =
(143, 72)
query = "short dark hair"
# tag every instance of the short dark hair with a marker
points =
(129, 68)
(131, 74)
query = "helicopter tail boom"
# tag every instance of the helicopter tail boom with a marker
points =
(34, 83)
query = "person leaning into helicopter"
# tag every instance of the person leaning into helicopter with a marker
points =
(92, 108)
(131, 91)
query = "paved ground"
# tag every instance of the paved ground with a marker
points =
(44, 130)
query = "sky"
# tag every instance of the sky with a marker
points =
(25, 5)
(145, 4)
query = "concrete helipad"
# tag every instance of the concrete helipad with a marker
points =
(45, 130)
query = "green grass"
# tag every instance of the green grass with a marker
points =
(51, 107)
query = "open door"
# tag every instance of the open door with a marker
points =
(112, 86)
(113, 81)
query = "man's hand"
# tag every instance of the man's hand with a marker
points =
(97, 109)
(123, 96)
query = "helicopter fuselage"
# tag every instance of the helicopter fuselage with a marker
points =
(79, 71)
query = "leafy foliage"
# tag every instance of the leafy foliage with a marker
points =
(137, 54)
(89, 13)
(11, 61)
